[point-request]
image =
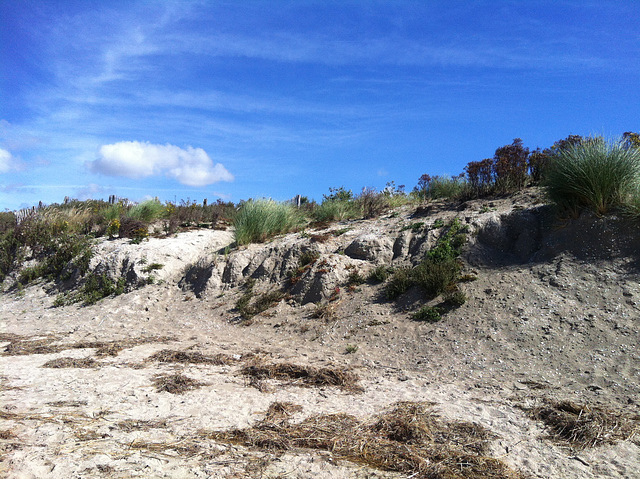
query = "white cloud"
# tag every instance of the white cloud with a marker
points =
(7, 162)
(133, 159)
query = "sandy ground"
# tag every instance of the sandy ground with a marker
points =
(562, 329)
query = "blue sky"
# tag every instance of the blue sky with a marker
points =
(240, 99)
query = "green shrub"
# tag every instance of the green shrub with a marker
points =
(379, 274)
(98, 287)
(356, 279)
(434, 277)
(438, 272)
(454, 297)
(95, 288)
(429, 314)
(398, 284)
(259, 220)
(594, 174)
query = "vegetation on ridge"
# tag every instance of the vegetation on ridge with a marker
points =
(54, 242)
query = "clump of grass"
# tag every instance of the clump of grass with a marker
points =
(147, 211)
(260, 220)
(594, 174)
(335, 210)
(372, 203)
(351, 348)
(439, 187)
(152, 267)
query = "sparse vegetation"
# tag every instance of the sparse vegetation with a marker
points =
(95, 288)
(249, 305)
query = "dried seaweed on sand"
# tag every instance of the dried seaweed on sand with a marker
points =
(305, 375)
(584, 426)
(175, 383)
(408, 438)
(193, 357)
(72, 363)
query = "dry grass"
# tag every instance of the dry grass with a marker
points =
(175, 383)
(4, 384)
(281, 411)
(129, 425)
(8, 443)
(325, 311)
(6, 434)
(304, 375)
(408, 438)
(69, 403)
(20, 345)
(584, 426)
(192, 357)
(183, 448)
(72, 363)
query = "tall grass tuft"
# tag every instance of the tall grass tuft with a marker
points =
(336, 210)
(259, 220)
(147, 211)
(596, 175)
